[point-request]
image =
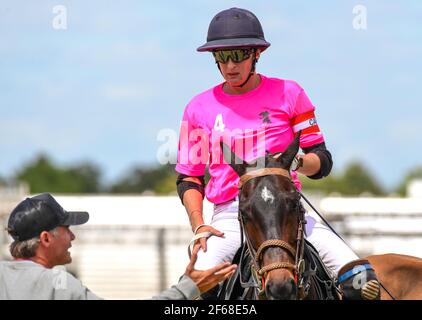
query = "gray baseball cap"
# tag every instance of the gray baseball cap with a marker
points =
(41, 213)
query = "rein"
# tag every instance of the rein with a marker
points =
(298, 268)
(334, 231)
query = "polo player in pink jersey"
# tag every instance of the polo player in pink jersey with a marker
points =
(254, 114)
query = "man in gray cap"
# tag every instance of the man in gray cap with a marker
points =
(40, 229)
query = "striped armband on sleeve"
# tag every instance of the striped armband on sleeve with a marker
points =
(305, 122)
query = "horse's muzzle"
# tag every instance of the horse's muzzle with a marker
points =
(281, 290)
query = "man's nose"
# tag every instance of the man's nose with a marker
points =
(231, 64)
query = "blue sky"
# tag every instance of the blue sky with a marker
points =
(102, 89)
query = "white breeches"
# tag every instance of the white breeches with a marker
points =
(221, 249)
(333, 251)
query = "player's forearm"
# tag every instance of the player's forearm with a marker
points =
(192, 199)
(311, 164)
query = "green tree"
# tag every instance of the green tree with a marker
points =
(160, 180)
(413, 174)
(355, 180)
(326, 185)
(87, 177)
(43, 176)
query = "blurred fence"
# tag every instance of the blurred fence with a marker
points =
(9, 197)
(377, 225)
(134, 247)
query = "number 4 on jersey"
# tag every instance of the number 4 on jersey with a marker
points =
(219, 125)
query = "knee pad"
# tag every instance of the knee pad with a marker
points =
(358, 281)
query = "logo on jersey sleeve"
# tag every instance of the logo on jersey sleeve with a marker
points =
(305, 122)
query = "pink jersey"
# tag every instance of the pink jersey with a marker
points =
(259, 121)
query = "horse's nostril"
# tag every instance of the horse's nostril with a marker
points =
(280, 290)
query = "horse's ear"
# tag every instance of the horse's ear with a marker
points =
(237, 164)
(288, 155)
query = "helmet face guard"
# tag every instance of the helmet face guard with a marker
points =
(234, 28)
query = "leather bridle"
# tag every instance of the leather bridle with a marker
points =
(296, 253)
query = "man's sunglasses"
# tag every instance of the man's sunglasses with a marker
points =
(236, 55)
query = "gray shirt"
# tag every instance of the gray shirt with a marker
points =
(27, 280)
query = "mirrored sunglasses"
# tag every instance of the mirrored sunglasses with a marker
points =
(236, 55)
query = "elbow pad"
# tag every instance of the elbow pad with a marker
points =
(183, 186)
(325, 158)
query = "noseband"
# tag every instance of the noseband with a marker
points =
(297, 254)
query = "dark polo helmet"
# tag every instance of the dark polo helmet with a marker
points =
(234, 28)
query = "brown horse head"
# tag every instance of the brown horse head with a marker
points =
(269, 208)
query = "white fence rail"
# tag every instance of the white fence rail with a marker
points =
(377, 225)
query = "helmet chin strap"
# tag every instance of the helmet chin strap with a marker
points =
(251, 73)
(247, 79)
